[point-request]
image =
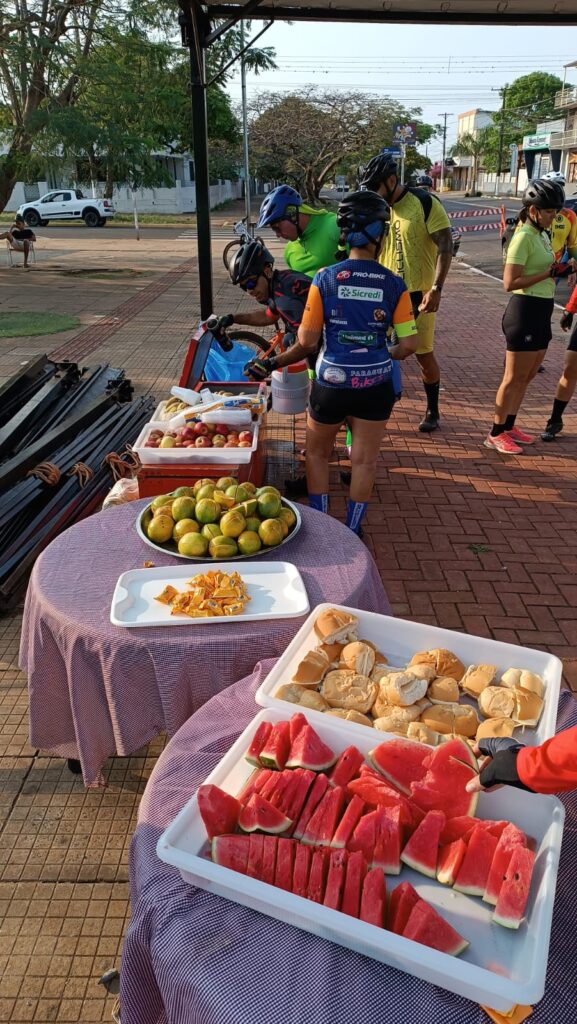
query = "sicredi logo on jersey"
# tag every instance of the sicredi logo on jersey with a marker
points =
(348, 291)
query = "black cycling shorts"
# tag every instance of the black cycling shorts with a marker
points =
(335, 405)
(572, 346)
(527, 323)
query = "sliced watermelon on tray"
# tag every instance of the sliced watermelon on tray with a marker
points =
(364, 836)
(257, 743)
(316, 793)
(254, 784)
(449, 861)
(422, 848)
(474, 871)
(231, 852)
(378, 793)
(387, 851)
(348, 822)
(275, 752)
(255, 855)
(335, 879)
(400, 761)
(514, 891)
(346, 767)
(323, 824)
(427, 926)
(219, 810)
(296, 723)
(318, 876)
(303, 856)
(353, 887)
(374, 898)
(304, 780)
(510, 838)
(269, 852)
(402, 900)
(259, 814)
(450, 767)
(285, 858)
(308, 751)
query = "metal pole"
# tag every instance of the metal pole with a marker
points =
(444, 151)
(501, 134)
(403, 152)
(244, 130)
(193, 37)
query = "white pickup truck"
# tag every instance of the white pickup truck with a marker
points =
(67, 204)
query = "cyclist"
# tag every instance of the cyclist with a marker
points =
(419, 248)
(568, 379)
(352, 307)
(282, 292)
(529, 274)
(425, 181)
(563, 231)
(312, 235)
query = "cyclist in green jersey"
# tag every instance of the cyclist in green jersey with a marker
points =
(312, 235)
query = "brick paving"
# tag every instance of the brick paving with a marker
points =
(464, 538)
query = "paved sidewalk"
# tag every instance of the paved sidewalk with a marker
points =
(464, 538)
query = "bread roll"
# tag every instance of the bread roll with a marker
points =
(421, 732)
(497, 702)
(531, 681)
(443, 690)
(421, 671)
(423, 703)
(300, 695)
(392, 723)
(527, 706)
(311, 669)
(466, 720)
(334, 626)
(349, 690)
(380, 670)
(350, 716)
(495, 727)
(477, 678)
(460, 719)
(443, 661)
(382, 708)
(332, 651)
(511, 677)
(358, 657)
(403, 688)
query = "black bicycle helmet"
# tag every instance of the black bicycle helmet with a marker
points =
(378, 170)
(363, 217)
(249, 260)
(424, 181)
(545, 195)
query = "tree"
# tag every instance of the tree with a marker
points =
(474, 146)
(527, 101)
(305, 136)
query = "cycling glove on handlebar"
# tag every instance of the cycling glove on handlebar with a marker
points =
(260, 369)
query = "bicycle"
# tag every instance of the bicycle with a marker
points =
(243, 233)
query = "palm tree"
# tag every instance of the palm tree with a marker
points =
(473, 146)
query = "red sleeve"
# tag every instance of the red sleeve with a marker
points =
(552, 767)
(571, 304)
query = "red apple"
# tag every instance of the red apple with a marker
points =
(233, 436)
(218, 441)
(222, 428)
(187, 434)
(211, 427)
(231, 444)
(188, 444)
(200, 429)
(244, 444)
(169, 433)
(203, 442)
(245, 435)
(179, 444)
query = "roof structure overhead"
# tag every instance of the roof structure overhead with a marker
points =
(516, 12)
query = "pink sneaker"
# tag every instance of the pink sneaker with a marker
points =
(520, 437)
(502, 443)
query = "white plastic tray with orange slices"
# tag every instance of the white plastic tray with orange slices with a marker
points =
(499, 968)
(399, 639)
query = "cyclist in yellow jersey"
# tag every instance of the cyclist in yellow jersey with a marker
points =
(419, 248)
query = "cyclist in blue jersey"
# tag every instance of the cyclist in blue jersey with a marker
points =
(353, 308)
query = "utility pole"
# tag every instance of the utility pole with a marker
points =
(444, 116)
(244, 130)
(501, 134)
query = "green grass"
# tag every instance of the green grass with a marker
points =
(127, 219)
(23, 325)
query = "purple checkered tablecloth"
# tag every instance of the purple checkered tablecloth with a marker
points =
(191, 957)
(97, 689)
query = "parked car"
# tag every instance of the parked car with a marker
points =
(571, 202)
(67, 204)
(456, 236)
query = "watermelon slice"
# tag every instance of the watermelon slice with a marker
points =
(335, 879)
(255, 855)
(318, 876)
(260, 814)
(458, 828)
(296, 722)
(422, 848)
(323, 824)
(257, 743)
(514, 892)
(355, 874)
(510, 838)
(231, 852)
(474, 871)
(274, 787)
(308, 751)
(285, 858)
(346, 767)
(316, 793)
(425, 925)
(402, 900)
(449, 861)
(218, 810)
(377, 793)
(254, 783)
(303, 781)
(365, 836)
(387, 851)
(374, 898)
(269, 848)
(348, 822)
(303, 856)
(442, 787)
(275, 752)
(401, 762)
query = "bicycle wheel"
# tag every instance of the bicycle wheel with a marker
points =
(236, 242)
(251, 340)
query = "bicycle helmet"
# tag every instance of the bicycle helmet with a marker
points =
(555, 176)
(250, 259)
(544, 194)
(280, 204)
(424, 181)
(377, 171)
(363, 217)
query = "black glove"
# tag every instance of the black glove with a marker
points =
(561, 270)
(225, 321)
(566, 320)
(501, 770)
(259, 369)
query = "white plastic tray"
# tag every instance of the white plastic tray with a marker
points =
(165, 456)
(399, 639)
(500, 967)
(276, 591)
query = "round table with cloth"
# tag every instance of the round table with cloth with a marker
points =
(191, 957)
(98, 689)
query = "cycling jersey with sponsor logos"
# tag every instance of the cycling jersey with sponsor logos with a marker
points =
(289, 296)
(409, 250)
(563, 233)
(356, 303)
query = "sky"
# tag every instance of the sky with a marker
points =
(442, 69)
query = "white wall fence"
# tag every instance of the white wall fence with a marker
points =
(180, 199)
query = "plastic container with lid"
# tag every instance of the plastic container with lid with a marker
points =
(290, 389)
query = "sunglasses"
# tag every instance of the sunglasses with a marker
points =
(249, 284)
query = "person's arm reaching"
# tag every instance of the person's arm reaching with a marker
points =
(548, 768)
(306, 343)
